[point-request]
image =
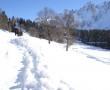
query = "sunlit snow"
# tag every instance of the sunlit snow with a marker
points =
(28, 63)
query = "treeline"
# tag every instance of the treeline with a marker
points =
(7, 22)
(100, 38)
(59, 27)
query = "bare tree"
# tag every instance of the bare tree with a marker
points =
(44, 18)
(69, 25)
(55, 25)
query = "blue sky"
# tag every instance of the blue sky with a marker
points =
(28, 8)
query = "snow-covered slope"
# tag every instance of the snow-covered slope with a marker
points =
(28, 63)
(92, 16)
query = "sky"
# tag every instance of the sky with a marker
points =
(28, 9)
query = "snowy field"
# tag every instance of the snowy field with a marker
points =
(28, 63)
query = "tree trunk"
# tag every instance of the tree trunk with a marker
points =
(49, 37)
(67, 45)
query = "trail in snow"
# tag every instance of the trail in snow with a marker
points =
(29, 77)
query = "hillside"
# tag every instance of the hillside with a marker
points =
(28, 63)
(92, 16)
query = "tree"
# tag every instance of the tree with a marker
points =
(68, 18)
(45, 15)
(3, 19)
(44, 18)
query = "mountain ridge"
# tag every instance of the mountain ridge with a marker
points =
(92, 16)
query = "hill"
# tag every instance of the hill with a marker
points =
(28, 63)
(92, 16)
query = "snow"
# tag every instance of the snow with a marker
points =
(28, 63)
(92, 16)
